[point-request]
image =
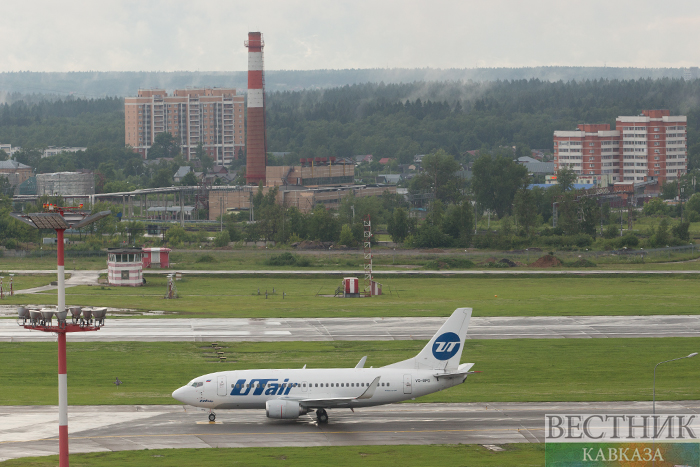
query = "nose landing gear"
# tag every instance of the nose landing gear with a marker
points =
(322, 416)
(212, 417)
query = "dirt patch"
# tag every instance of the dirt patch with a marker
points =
(547, 261)
(508, 262)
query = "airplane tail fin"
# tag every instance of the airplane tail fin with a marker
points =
(444, 350)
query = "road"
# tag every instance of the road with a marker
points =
(31, 431)
(348, 329)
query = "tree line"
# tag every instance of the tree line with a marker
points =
(388, 120)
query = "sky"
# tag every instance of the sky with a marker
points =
(208, 35)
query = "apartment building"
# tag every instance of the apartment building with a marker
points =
(589, 150)
(213, 116)
(654, 146)
(644, 148)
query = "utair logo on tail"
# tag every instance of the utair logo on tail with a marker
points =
(446, 346)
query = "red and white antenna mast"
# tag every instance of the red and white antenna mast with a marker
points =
(256, 147)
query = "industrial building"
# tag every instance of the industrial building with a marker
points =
(15, 172)
(66, 184)
(651, 147)
(316, 181)
(212, 116)
(53, 150)
(303, 198)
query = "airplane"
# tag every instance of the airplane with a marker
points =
(290, 393)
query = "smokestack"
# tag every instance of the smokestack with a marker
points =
(256, 147)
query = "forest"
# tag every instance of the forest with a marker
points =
(387, 120)
(126, 83)
(441, 119)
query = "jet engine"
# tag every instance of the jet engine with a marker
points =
(284, 409)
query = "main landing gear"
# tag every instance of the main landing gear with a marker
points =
(212, 417)
(322, 416)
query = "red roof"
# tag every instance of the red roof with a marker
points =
(385, 160)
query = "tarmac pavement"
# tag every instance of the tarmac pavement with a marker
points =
(348, 329)
(32, 431)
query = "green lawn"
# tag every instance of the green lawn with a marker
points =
(525, 455)
(518, 370)
(221, 296)
(27, 281)
(384, 259)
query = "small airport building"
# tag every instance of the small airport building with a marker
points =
(156, 258)
(125, 266)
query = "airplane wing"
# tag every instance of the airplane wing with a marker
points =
(361, 363)
(462, 370)
(329, 402)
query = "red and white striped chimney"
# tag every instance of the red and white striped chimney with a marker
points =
(256, 147)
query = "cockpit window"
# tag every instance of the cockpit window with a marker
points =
(197, 385)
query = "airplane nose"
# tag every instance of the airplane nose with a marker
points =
(180, 393)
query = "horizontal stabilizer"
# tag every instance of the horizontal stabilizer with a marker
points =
(462, 370)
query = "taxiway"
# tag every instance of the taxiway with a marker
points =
(31, 431)
(329, 329)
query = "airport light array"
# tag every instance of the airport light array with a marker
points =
(60, 219)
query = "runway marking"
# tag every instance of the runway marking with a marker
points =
(271, 433)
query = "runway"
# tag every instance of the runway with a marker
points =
(31, 431)
(348, 329)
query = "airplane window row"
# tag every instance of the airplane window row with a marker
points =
(286, 385)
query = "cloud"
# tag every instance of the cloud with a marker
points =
(80, 35)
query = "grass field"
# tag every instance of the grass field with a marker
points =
(525, 455)
(27, 281)
(384, 259)
(217, 296)
(518, 370)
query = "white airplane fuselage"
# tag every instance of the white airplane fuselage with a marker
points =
(289, 393)
(251, 389)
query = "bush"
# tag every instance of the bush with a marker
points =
(611, 231)
(449, 263)
(234, 234)
(628, 240)
(206, 259)
(581, 263)
(346, 236)
(430, 236)
(655, 206)
(222, 239)
(680, 231)
(288, 259)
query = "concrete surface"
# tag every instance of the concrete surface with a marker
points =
(327, 329)
(32, 431)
